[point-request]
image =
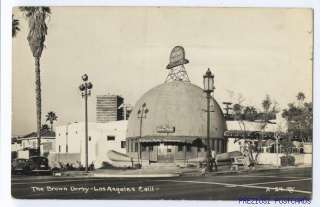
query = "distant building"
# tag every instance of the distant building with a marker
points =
(266, 142)
(240, 132)
(102, 137)
(108, 108)
(26, 146)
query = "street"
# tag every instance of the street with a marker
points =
(295, 183)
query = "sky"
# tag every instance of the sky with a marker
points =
(125, 50)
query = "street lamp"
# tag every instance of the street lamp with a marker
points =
(85, 89)
(208, 84)
(142, 114)
(67, 134)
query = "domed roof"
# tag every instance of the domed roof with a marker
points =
(179, 105)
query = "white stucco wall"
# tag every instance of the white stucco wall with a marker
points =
(99, 144)
(274, 159)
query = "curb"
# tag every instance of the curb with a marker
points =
(246, 171)
(135, 176)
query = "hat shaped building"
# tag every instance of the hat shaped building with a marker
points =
(169, 122)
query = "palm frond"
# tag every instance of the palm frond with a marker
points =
(15, 26)
(38, 29)
(51, 116)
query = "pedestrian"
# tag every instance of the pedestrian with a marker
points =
(91, 166)
(203, 171)
(214, 159)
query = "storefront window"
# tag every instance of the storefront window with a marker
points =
(136, 147)
(127, 146)
(180, 147)
(111, 138)
(123, 144)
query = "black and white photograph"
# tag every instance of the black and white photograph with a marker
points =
(162, 103)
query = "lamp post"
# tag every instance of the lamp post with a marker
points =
(208, 84)
(67, 134)
(142, 114)
(85, 89)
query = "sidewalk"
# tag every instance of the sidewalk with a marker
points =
(148, 172)
(258, 168)
(154, 171)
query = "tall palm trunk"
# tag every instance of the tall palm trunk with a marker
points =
(37, 34)
(38, 101)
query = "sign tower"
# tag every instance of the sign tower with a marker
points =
(177, 60)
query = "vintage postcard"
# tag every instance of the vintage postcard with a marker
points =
(162, 103)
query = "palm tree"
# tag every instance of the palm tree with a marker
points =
(300, 98)
(37, 17)
(237, 111)
(51, 117)
(15, 26)
(250, 113)
(238, 116)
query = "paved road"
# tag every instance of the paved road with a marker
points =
(266, 185)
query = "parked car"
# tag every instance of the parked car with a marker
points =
(37, 165)
(18, 166)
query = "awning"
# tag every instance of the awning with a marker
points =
(155, 140)
(169, 139)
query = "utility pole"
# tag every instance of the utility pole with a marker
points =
(227, 109)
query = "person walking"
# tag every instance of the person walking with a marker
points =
(214, 159)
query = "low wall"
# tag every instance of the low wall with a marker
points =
(274, 159)
(64, 158)
(25, 154)
(307, 148)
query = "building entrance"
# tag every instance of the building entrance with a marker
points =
(166, 153)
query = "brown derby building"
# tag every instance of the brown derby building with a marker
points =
(169, 123)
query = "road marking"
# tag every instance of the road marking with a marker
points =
(57, 181)
(230, 185)
(261, 176)
(280, 181)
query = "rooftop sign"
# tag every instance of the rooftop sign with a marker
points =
(177, 57)
(166, 129)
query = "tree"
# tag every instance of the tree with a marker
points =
(37, 17)
(300, 98)
(15, 26)
(266, 104)
(250, 113)
(299, 118)
(238, 116)
(51, 117)
(269, 110)
(44, 127)
(237, 111)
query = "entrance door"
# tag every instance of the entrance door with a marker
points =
(166, 153)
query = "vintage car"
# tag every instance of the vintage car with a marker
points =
(37, 165)
(18, 166)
